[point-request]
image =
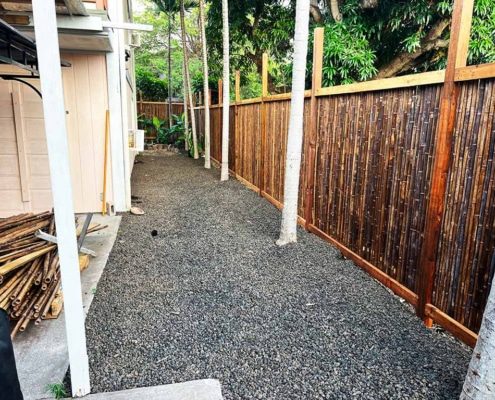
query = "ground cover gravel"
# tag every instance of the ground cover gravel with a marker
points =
(210, 295)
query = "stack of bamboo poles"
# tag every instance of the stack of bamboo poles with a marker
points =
(29, 269)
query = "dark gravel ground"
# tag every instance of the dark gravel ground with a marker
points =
(212, 296)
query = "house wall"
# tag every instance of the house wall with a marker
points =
(24, 173)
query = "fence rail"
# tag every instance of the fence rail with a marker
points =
(368, 172)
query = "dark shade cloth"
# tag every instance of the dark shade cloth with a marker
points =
(9, 382)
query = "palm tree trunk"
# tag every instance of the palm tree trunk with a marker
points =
(186, 116)
(480, 378)
(288, 230)
(224, 175)
(169, 67)
(205, 84)
(188, 80)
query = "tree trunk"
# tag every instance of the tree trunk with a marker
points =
(404, 61)
(169, 68)
(315, 11)
(186, 116)
(205, 83)
(188, 80)
(224, 176)
(335, 10)
(480, 378)
(288, 230)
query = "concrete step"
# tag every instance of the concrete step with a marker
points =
(205, 389)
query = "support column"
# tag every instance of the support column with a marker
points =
(45, 27)
(264, 94)
(310, 159)
(236, 111)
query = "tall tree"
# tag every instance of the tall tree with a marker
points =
(288, 230)
(224, 176)
(480, 378)
(202, 22)
(187, 80)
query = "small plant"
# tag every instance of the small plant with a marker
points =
(57, 390)
(161, 131)
(93, 290)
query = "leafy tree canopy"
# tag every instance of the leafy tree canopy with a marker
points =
(364, 39)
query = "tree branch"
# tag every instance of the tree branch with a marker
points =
(404, 61)
(315, 12)
(333, 5)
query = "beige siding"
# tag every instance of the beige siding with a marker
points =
(22, 139)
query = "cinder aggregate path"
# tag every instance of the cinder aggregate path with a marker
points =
(212, 296)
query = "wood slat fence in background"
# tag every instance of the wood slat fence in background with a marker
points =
(367, 173)
(152, 109)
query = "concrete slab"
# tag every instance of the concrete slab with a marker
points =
(205, 389)
(41, 351)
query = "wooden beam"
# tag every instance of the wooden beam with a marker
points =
(220, 92)
(237, 86)
(473, 72)
(424, 78)
(45, 28)
(20, 136)
(450, 324)
(264, 75)
(236, 121)
(313, 130)
(264, 93)
(459, 34)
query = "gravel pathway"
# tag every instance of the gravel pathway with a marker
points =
(212, 296)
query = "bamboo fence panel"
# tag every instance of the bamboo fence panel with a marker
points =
(373, 173)
(277, 127)
(374, 159)
(247, 142)
(466, 261)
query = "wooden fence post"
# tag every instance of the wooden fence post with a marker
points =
(236, 112)
(220, 91)
(264, 94)
(457, 55)
(313, 131)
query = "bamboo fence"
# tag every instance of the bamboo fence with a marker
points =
(371, 166)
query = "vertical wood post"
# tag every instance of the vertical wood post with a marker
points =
(457, 56)
(264, 94)
(310, 158)
(220, 91)
(236, 112)
(45, 28)
(20, 134)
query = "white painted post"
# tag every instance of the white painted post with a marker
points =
(45, 27)
(117, 140)
(117, 104)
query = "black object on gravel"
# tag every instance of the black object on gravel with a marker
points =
(213, 297)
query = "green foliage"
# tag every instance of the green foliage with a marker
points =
(151, 87)
(161, 130)
(57, 390)
(355, 49)
(151, 57)
(482, 44)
